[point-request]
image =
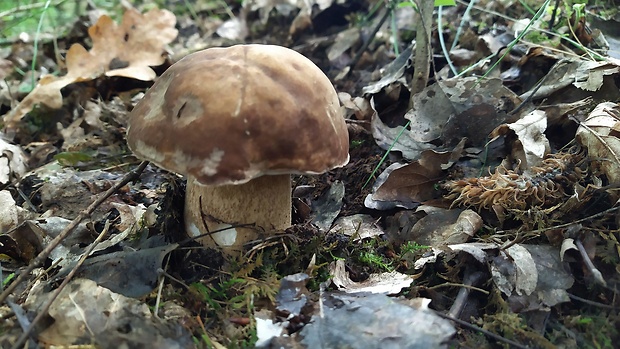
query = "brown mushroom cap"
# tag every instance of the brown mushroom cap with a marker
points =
(227, 115)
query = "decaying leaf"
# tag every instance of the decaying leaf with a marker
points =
(358, 106)
(392, 73)
(531, 276)
(599, 134)
(130, 273)
(12, 162)
(441, 227)
(291, 297)
(478, 250)
(515, 271)
(588, 76)
(266, 328)
(375, 321)
(327, 207)
(533, 145)
(460, 107)
(128, 50)
(343, 43)
(87, 313)
(358, 227)
(396, 138)
(386, 283)
(411, 184)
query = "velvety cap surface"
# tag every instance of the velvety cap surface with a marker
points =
(227, 115)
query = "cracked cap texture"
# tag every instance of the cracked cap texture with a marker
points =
(227, 115)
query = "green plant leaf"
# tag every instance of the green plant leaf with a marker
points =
(445, 3)
(71, 158)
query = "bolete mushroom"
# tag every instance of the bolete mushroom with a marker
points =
(237, 122)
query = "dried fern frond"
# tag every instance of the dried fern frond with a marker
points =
(540, 187)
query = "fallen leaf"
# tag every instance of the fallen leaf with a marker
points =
(374, 321)
(396, 138)
(359, 226)
(531, 275)
(599, 134)
(385, 283)
(533, 145)
(12, 162)
(130, 273)
(87, 313)
(414, 183)
(128, 50)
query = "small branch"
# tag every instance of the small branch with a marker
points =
(483, 331)
(566, 225)
(470, 279)
(596, 274)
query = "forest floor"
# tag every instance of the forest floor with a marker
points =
(481, 212)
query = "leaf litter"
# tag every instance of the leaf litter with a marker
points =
(495, 206)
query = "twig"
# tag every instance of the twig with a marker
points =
(592, 303)
(454, 284)
(42, 256)
(164, 274)
(553, 14)
(596, 274)
(470, 279)
(482, 330)
(566, 225)
(531, 93)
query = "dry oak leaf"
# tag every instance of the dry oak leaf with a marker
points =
(128, 50)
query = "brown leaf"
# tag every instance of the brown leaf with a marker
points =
(416, 181)
(127, 50)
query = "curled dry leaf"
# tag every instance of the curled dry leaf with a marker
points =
(396, 138)
(441, 227)
(385, 283)
(12, 162)
(411, 184)
(586, 76)
(531, 276)
(590, 75)
(128, 50)
(599, 134)
(533, 145)
(359, 226)
(358, 106)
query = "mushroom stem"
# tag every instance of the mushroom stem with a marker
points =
(264, 201)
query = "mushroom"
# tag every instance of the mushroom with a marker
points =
(237, 122)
